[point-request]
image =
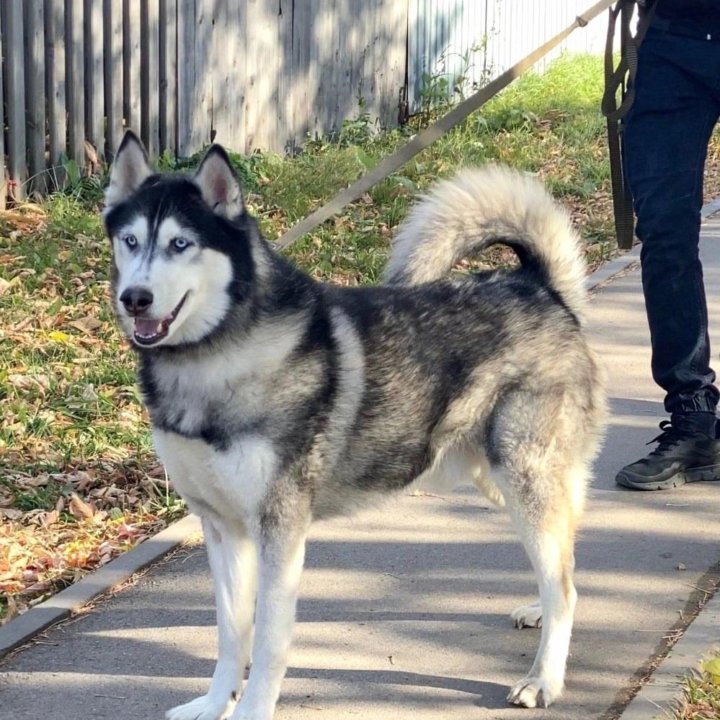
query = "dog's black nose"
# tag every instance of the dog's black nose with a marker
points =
(136, 300)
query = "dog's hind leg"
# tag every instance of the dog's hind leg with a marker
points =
(544, 682)
(546, 510)
(232, 558)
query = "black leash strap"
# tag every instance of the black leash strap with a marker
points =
(617, 99)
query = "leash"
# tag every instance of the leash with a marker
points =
(430, 134)
(618, 97)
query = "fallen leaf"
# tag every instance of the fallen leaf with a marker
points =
(57, 336)
(7, 498)
(40, 480)
(38, 587)
(79, 508)
(81, 480)
(712, 668)
(89, 394)
(21, 382)
(87, 324)
(22, 324)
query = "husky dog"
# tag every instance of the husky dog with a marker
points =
(276, 400)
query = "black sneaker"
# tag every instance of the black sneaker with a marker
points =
(683, 454)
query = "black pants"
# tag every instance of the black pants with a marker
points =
(666, 135)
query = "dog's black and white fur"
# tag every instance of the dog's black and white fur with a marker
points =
(276, 400)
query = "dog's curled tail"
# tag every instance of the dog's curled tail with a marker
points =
(478, 208)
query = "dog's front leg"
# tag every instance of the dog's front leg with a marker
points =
(281, 558)
(233, 561)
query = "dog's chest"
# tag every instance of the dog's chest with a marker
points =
(231, 483)
(209, 401)
(207, 427)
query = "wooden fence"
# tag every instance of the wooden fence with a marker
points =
(247, 73)
(75, 74)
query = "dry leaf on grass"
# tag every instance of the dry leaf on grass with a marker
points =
(79, 508)
(87, 324)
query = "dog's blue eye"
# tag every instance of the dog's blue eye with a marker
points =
(130, 241)
(179, 244)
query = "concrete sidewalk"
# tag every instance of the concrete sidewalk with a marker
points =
(404, 610)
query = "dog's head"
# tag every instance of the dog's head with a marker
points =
(181, 250)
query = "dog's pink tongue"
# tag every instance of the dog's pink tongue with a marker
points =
(146, 327)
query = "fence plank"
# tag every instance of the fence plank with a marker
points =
(238, 79)
(149, 76)
(331, 53)
(185, 76)
(390, 65)
(195, 34)
(35, 94)
(221, 63)
(55, 82)
(3, 165)
(319, 33)
(228, 75)
(131, 63)
(203, 76)
(262, 71)
(300, 71)
(168, 76)
(186, 60)
(284, 133)
(94, 76)
(113, 74)
(75, 87)
(15, 73)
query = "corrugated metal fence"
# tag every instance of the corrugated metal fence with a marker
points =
(467, 43)
(249, 73)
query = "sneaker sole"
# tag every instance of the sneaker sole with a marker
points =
(707, 474)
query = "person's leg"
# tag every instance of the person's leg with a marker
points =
(666, 135)
(665, 143)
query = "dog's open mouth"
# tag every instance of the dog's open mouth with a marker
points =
(149, 331)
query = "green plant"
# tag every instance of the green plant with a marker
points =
(357, 130)
(70, 180)
(441, 88)
(246, 166)
(701, 694)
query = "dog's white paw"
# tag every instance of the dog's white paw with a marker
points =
(533, 692)
(203, 708)
(247, 712)
(242, 715)
(527, 616)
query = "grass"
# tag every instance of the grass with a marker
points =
(701, 694)
(78, 479)
(549, 125)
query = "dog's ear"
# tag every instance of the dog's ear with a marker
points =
(219, 185)
(129, 170)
